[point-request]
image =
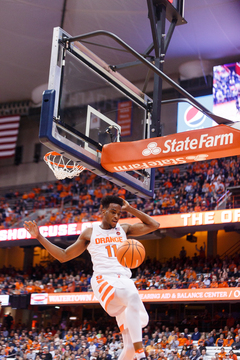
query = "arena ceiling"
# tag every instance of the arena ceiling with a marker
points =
(211, 33)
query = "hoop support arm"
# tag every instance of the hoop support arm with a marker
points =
(183, 92)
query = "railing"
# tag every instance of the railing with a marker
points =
(222, 201)
(232, 250)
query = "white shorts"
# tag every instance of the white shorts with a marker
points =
(115, 302)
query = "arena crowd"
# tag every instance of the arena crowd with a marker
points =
(93, 342)
(195, 187)
(176, 273)
(187, 188)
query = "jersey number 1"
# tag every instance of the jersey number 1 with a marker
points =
(111, 250)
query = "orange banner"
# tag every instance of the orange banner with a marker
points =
(175, 149)
(173, 295)
(213, 217)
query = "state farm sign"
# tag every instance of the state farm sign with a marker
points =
(195, 145)
(205, 141)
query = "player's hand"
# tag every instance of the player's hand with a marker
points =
(126, 205)
(32, 228)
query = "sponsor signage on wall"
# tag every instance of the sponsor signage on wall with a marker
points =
(173, 295)
(190, 118)
(215, 217)
(4, 300)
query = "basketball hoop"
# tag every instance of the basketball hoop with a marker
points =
(62, 168)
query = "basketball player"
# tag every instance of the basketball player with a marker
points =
(111, 281)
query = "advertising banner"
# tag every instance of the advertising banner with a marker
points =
(159, 296)
(195, 145)
(4, 300)
(213, 217)
(190, 118)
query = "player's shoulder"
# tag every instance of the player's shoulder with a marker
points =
(125, 227)
(87, 233)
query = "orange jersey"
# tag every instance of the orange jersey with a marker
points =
(233, 356)
(228, 342)
(223, 284)
(163, 344)
(30, 288)
(182, 341)
(214, 285)
(168, 274)
(193, 286)
(221, 355)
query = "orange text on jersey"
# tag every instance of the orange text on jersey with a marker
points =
(108, 240)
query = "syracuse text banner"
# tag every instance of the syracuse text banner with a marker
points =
(203, 218)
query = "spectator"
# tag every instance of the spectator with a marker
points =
(150, 349)
(228, 341)
(223, 283)
(189, 341)
(3, 356)
(171, 336)
(214, 283)
(146, 340)
(183, 254)
(12, 352)
(196, 335)
(220, 340)
(206, 281)
(46, 354)
(232, 355)
(164, 342)
(201, 251)
(174, 343)
(203, 355)
(186, 333)
(194, 355)
(201, 341)
(222, 353)
(182, 339)
(210, 339)
(236, 343)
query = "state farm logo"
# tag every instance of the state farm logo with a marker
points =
(193, 117)
(178, 150)
(181, 144)
(152, 149)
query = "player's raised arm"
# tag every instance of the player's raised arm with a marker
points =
(147, 225)
(60, 254)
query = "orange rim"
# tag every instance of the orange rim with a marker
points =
(54, 153)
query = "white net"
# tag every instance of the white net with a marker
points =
(62, 168)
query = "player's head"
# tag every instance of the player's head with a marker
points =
(111, 209)
(111, 199)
